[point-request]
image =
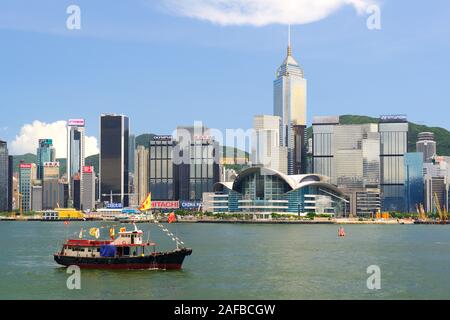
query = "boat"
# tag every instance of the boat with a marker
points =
(127, 251)
(341, 232)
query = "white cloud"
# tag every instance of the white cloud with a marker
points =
(27, 140)
(261, 12)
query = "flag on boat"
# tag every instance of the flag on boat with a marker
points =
(147, 204)
(95, 232)
(112, 233)
(172, 217)
(123, 229)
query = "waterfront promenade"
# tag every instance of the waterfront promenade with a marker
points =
(233, 220)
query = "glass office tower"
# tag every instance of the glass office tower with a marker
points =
(131, 153)
(290, 105)
(414, 182)
(27, 174)
(323, 142)
(393, 146)
(114, 175)
(161, 181)
(10, 183)
(75, 158)
(75, 147)
(196, 162)
(4, 174)
(45, 153)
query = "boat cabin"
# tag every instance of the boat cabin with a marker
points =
(127, 244)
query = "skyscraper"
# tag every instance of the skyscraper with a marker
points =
(4, 173)
(27, 174)
(52, 195)
(266, 148)
(161, 182)
(10, 183)
(75, 151)
(114, 162)
(414, 182)
(88, 187)
(350, 156)
(131, 153)
(141, 174)
(196, 158)
(393, 145)
(290, 90)
(45, 153)
(427, 145)
(323, 145)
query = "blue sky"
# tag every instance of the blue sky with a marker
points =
(163, 69)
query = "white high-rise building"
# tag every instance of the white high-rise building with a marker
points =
(266, 148)
(141, 174)
(290, 89)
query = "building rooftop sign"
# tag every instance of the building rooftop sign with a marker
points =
(394, 118)
(76, 122)
(88, 169)
(46, 141)
(51, 164)
(162, 138)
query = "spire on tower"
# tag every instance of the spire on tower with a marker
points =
(289, 50)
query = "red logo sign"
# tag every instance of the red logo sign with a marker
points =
(88, 169)
(25, 166)
(165, 204)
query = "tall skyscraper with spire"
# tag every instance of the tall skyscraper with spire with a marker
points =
(290, 105)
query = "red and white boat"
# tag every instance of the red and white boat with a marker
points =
(127, 251)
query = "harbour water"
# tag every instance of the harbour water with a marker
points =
(236, 261)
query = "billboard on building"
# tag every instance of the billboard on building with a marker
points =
(88, 169)
(165, 204)
(190, 205)
(76, 122)
(51, 164)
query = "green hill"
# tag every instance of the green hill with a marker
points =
(26, 158)
(442, 136)
(144, 139)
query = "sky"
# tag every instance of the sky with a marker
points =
(172, 62)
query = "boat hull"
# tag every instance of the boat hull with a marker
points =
(172, 260)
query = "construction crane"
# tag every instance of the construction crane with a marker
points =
(438, 207)
(422, 212)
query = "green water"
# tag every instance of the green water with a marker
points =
(241, 262)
